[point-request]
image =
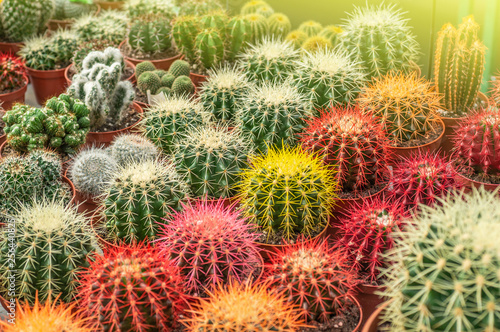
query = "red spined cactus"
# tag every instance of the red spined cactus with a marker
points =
(12, 72)
(422, 178)
(211, 243)
(353, 142)
(477, 142)
(133, 289)
(312, 276)
(365, 234)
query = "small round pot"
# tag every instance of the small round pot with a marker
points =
(47, 83)
(198, 79)
(107, 137)
(116, 5)
(159, 64)
(373, 321)
(128, 64)
(405, 152)
(368, 300)
(65, 164)
(469, 183)
(13, 97)
(11, 48)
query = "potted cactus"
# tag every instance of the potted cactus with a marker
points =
(66, 11)
(458, 72)
(109, 25)
(408, 107)
(46, 59)
(13, 81)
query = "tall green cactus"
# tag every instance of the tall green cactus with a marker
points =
(184, 31)
(238, 34)
(459, 65)
(150, 34)
(209, 46)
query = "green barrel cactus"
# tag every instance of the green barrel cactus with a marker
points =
(183, 86)
(310, 28)
(297, 38)
(215, 19)
(149, 81)
(258, 27)
(209, 47)
(279, 25)
(144, 67)
(110, 25)
(238, 35)
(332, 33)
(252, 6)
(179, 68)
(184, 32)
(150, 34)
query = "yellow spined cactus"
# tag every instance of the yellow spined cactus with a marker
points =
(315, 43)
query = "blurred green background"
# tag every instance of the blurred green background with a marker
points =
(425, 16)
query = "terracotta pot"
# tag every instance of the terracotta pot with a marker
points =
(128, 64)
(368, 300)
(54, 25)
(106, 138)
(469, 183)
(72, 186)
(47, 83)
(144, 106)
(159, 64)
(198, 79)
(65, 164)
(117, 5)
(374, 320)
(405, 152)
(11, 48)
(13, 97)
(2, 140)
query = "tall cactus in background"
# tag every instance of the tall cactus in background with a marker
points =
(150, 34)
(238, 34)
(279, 25)
(459, 65)
(184, 31)
(258, 27)
(209, 47)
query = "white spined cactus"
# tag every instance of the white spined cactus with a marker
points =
(130, 148)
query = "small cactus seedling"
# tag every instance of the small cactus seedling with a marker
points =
(313, 277)
(423, 178)
(297, 38)
(310, 28)
(365, 233)
(91, 171)
(272, 114)
(210, 243)
(12, 73)
(380, 39)
(270, 60)
(211, 159)
(279, 25)
(55, 242)
(444, 269)
(287, 190)
(133, 289)
(129, 148)
(328, 77)
(138, 197)
(353, 143)
(406, 104)
(253, 308)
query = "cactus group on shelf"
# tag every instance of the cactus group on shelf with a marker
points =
(406, 104)
(68, 10)
(444, 270)
(352, 142)
(129, 148)
(380, 39)
(55, 242)
(211, 159)
(287, 191)
(12, 73)
(211, 243)
(150, 34)
(132, 289)
(61, 125)
(272, 114)
(138, 196)
(110, 25)
(458, 65)
(312, 276)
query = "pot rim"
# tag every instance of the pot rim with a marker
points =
(416, 147)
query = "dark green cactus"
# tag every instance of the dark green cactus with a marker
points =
(184, 31)
(149, 81)
(238, 34)
(150, 34)
(183, 86)
(179, 68)
(209, 46)
(144, 67)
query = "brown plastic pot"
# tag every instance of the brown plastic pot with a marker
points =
(11, 48)
(107, 137)
(13, 97)
(128, 64)
(198, 79)
(368, 300)
(469, 183)
(373, 321)
(47, 83)
(116, 5)
(4, 144)
(159, 64)
(73, 190)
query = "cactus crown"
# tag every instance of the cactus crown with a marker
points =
(128, 148)
(12, 72)
(406, 104)
(316, 43)
(297, 38)
(444, 275)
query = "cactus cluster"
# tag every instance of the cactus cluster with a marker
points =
(458, 65)
(12, 73)
(380, 39)
(100, 87)
(55, 242)
(110, 25)
(150, 34)
(211, 159)
(444, 270)
(67, 9)
(61, 125)
(211, 243)
(287, 191)
(405, 103)
(132, 289)
(174, 82)
(312, 276)
(352, 142)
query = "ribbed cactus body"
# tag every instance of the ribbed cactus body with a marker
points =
(252, 6)
(49, 53)
(150, 34)
(184, 31)
(183, 86)
(279, 25)
(50, 164)
(215, 20)
(310, 28)
(129, 148)
(238, 35)
(179, 68)
(258, 27)
(332, 33)
(316, 43)
(12, 72)
(459, 64)
(110, 25)
(209, 47)
(143, 67)
(149, 81)
(297, 38)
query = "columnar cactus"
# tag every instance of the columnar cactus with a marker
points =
(184, 31)
(49, 53)
(133, 289)
(279, 25)
(495, 92)
(312, 276)
(288, 191)
(423, 178)
(138, 197)
(444, 269)
(221, 92)
(150, 34)
(110, 25)
(328, 77)
(269, 60)
(253, 308)
(355, 144)
(12, 73)
(211, 243)
(129, 148)
(365, 233)
(238, 35)
(165, 121)
(211, 159)
(406, 104)
(92, 170)
(209, 47)
(61, 125)
(458, 65)
(273, 114)
(310, 28)
(380, 39)
(55, 242)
